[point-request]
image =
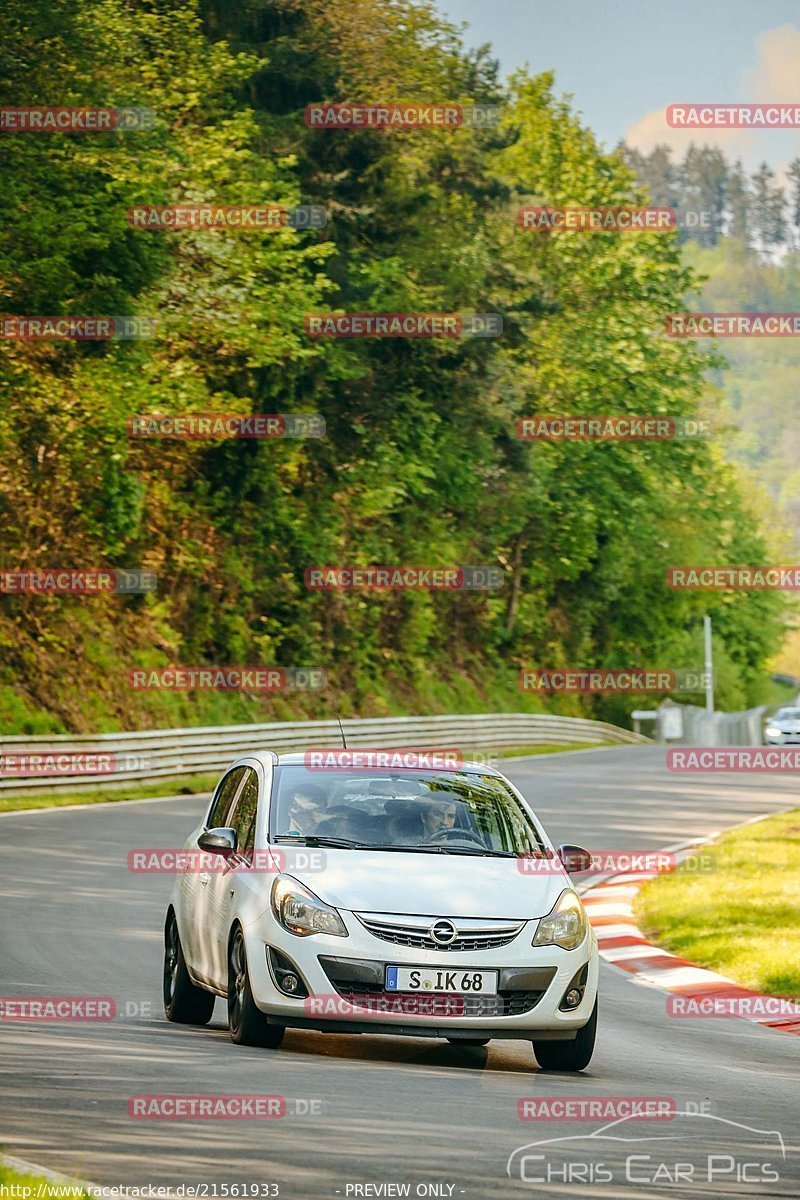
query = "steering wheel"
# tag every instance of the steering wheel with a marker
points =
(463, 835)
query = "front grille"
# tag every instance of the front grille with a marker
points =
(414, 932)
(374, 998)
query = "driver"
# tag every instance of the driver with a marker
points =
(438, 816)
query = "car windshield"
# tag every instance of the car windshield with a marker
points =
(456, 812)
(788, 714)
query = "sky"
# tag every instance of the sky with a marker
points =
(624, 61)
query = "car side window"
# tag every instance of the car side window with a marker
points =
(244, 817)
(224, 798)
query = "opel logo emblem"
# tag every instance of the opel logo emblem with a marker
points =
(443, 932)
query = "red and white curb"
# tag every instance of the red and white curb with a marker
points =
(609, 905)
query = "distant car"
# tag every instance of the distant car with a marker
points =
(784, 728)
(381, 901)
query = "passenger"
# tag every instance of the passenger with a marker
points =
(305, 810)
(405, 819)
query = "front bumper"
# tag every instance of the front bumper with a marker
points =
(343, 978)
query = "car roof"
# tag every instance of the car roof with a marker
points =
(269, 758)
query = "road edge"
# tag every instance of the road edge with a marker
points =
(609, 905)
(23, 1167)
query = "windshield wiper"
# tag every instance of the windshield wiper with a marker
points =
(478, 853)
(440, 850)
(315, 840)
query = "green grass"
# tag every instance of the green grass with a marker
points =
(525, 751)
(182, 785)
(36, 1186)
(743, 918)
(194, 784)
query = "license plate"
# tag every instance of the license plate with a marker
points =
(441, 980)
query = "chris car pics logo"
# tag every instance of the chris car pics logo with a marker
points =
(694, 1148)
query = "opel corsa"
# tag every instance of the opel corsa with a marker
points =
(424, 901)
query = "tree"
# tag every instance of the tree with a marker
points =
(793, 172)
(737, 203)
(768, 204)
(703, 178)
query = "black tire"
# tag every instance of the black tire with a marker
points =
(469, 1041)
(247, 1024)
(183, 1001)
(569, 1056)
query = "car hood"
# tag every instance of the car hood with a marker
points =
(432, 884)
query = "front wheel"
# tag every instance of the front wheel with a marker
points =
(247, 1024)
(183, 1001)
(569, 1056)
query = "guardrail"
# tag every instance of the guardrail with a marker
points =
(169, 752)
(701, 728)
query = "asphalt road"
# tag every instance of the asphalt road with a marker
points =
(441, 1119)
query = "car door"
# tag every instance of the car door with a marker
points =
(222, 887)
(195, 883)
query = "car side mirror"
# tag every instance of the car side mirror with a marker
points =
(218, 841)
(574, 858)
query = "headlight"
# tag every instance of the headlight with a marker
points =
(565, 926)
(301, 912)
(773, 731)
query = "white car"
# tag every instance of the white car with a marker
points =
(420, 902)
(784, 728)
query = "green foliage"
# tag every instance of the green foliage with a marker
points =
(421, 464)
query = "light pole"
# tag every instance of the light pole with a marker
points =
(709, 665)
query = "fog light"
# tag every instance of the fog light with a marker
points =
(285, 974)
(572, 998)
